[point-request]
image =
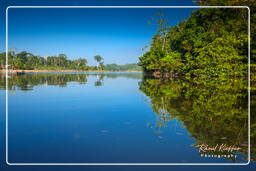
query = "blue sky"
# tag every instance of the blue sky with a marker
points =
(116, 34)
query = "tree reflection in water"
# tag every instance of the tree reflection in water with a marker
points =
(28, 81)
(213, 110)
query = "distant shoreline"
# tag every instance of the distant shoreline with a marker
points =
(54, 71)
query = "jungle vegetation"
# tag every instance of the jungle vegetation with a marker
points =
(126, 67)
(25, 60)
(28, 61)
(211, 42)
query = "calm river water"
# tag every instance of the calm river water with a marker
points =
(125, 118)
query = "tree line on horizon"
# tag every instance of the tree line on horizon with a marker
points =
(211, 42)
(28, 61)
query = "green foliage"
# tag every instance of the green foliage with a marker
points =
(25, 60)
(171, 62)
(100, 62)
(126, 67)
(98, 58)
(211, 42)
(222, 58)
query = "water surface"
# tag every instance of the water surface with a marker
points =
(125, 118)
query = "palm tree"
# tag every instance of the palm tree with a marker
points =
(98, 58)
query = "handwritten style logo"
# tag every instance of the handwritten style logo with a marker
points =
(205, 149)
(220, 148)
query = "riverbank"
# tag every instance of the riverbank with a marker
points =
(54, 71)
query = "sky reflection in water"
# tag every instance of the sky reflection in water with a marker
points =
(123, 117)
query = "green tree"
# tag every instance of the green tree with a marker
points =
(98, 58)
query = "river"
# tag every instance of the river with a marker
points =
(125, 118)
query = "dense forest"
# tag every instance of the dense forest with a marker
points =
(25, 60)
(211, 42)
(126, 67)
(28, 61)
